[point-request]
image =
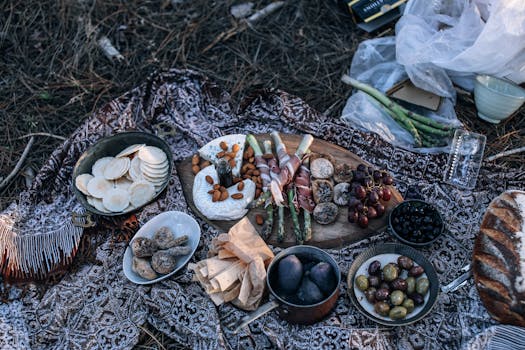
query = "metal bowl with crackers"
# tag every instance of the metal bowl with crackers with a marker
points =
(122, 173)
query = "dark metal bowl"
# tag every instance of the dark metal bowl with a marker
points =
(298, 313)
(111, 146)
(420, 203)
(358, 299)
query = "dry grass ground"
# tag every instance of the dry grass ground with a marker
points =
(53, 75)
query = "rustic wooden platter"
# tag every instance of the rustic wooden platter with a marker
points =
(335, 235)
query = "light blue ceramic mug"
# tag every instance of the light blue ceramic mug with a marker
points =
(497, 99)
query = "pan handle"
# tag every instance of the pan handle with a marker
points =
(261, 311)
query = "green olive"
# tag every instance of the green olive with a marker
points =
(422, 285)
(411, 285)
(397, 297)
(409, 305)
(390, 272)
(361, 282)
(397, 312)
(382, 308)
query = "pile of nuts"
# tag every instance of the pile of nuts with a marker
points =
(220, 193)
(248, 171)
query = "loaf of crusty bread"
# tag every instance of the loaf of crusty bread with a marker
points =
(498, 259)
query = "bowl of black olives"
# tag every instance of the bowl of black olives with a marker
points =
(416, 222)
(393, 284)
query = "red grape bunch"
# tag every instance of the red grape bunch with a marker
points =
(369, 191)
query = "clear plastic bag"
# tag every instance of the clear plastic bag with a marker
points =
(458, 38)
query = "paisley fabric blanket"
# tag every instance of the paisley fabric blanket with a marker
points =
(96, 307)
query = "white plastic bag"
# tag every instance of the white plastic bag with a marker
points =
(451, 40)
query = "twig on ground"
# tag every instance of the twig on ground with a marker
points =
(243, 25)
(109, 50)
(29, 175)
(18, 165)
(151, 335)
(506, 153)
(42, 134)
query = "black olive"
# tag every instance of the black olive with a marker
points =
(405, 262)
(374, 268)
(384, 285)
(370, 295)
(382, 294)
(416, 271)
(399, 284)
(373, 281)
(418, 298)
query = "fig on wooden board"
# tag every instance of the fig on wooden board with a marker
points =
(289, 274)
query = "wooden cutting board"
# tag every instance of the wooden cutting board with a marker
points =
(335, 235)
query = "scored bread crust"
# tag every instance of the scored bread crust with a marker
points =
(496, 259)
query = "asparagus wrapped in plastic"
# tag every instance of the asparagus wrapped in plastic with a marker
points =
(288, 165)
(426, 132)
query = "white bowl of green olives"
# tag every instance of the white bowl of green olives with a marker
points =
(393, 284)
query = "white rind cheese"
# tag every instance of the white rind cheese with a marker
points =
(210, 150)
(229, 209)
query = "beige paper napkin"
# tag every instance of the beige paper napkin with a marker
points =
(235, 270)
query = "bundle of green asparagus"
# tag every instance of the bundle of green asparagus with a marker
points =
(426, 132)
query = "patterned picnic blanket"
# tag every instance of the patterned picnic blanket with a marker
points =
(96, 307)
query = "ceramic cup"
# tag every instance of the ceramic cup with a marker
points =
(496, 99)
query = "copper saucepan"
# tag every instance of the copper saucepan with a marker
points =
(295, 313)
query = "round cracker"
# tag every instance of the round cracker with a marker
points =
(155, 180)
(116, 200)
(97, 204)
(155, 166)
(97, 186)
(98, 168)
(145, 168)
(130, 150)
(141, 192)
(123, 183)
(81, 182)
(155, 176)
(116, 168)
(152, 154)
(134, 169)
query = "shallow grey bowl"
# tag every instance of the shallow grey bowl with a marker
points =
(497, 99)
(111, 146)
(385, 253)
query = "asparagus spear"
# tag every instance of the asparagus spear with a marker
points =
(280, 223)
(295, 218)
(307, 226)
